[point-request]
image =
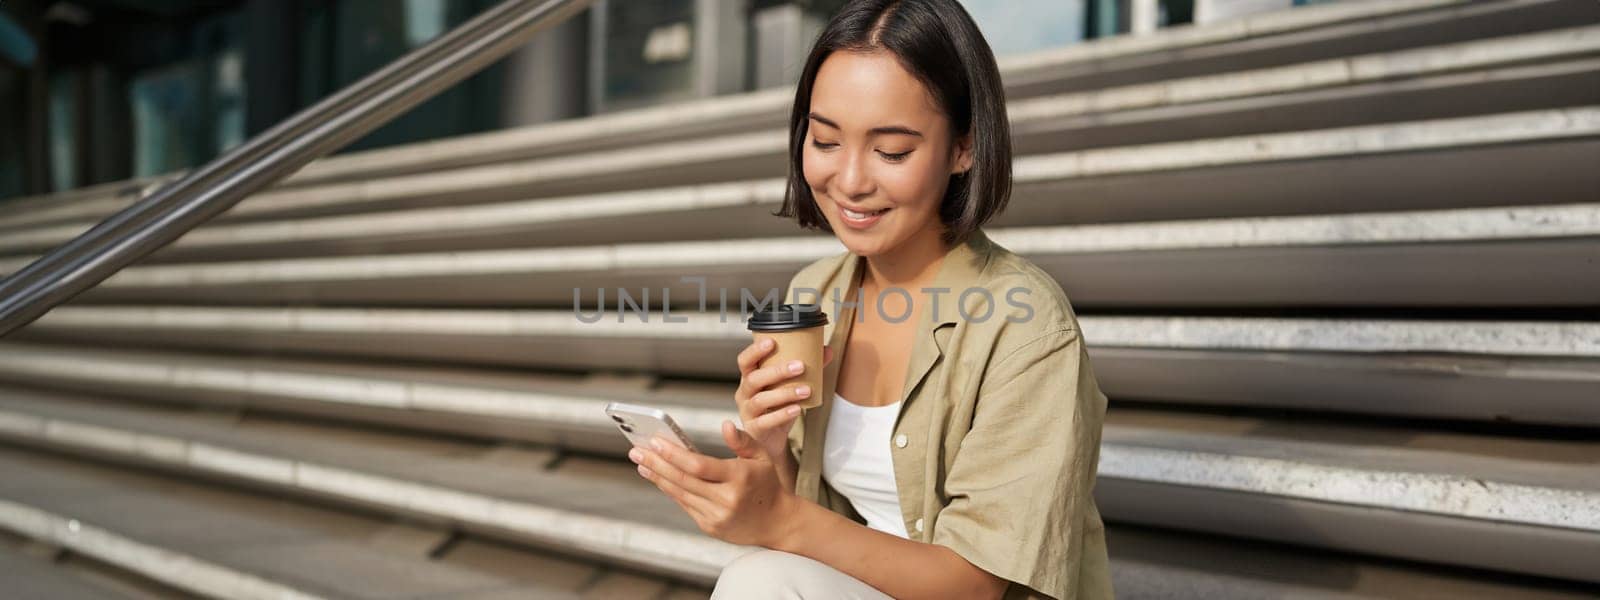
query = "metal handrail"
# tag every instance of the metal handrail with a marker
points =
(173, 210)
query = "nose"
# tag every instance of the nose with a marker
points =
(853, 180)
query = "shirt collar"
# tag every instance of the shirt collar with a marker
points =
(961, 268)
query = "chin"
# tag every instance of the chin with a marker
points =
(860, 245)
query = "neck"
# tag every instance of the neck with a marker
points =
(908, 266)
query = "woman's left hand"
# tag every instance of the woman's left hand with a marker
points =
(737, 500)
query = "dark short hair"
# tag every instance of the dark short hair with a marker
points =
(939, 44)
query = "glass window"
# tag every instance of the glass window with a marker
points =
(649, 52)
(1017, 26)
(425, 19)
(64, 129)
(351, 39)
(188, 111)
(11, 144)
(167, 110)
(230, 99)
(1175, 12)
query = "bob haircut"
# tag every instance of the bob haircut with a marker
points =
(939, 44)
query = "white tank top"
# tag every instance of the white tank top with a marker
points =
(856, 462)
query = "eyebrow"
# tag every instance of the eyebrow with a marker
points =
(902, 130)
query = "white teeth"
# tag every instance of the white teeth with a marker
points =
(859, 215)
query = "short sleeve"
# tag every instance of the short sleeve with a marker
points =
(1021, 485)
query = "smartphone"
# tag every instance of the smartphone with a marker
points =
(642, 423)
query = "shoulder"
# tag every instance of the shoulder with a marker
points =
(1031, 309)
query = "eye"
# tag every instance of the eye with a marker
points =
(822, 146)
(895, 157)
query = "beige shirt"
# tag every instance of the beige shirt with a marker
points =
(997, 442)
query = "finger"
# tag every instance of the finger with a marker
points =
(752, 354)
(741, 443)
(771, 375)
(662, 470)
(691, 470)
(777, 398)
(697, 507)
(749, 362)
(778, 420)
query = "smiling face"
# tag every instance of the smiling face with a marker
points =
(877, 142)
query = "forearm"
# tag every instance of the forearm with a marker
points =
(897, 566)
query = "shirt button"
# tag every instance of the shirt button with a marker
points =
(900, 441)
(919, 525)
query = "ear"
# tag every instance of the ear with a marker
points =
(961, 159)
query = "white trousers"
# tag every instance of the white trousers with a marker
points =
(775, 575)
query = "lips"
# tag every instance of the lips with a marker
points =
(854, 214)
(860, 220)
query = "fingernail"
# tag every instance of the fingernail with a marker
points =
(655, 445)
(766, 344)
(794, 410)
(643, 472)
(796, 366)
(802, 390)
(634, 455)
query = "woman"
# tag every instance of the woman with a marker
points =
(961, 417)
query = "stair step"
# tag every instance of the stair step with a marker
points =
(521, 406)
(1146, 563)
(1505, 256)
(1538, 153)
(1282, 39)
(1153, 563)
(84, 535)
(1385, 489)
(1516, 371)
(1519, 372)
(232, 543)
(448, 484)
(1417, 495)
(27, 572)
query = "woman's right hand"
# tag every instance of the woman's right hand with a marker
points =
(764, 409)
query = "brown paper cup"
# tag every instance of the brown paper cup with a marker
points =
(796, 331)
(802, 344)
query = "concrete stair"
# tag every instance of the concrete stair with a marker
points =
(1517, 257)
(229, 542)
(1521, 371)
(1536, 498)
(30, 569)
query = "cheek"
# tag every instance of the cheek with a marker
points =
(815, 170)
(911, 187)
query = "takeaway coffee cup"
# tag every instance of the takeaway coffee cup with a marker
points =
(796, 332)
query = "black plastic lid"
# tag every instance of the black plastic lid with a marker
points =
(788, 316)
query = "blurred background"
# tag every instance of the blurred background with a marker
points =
(1337, 263)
